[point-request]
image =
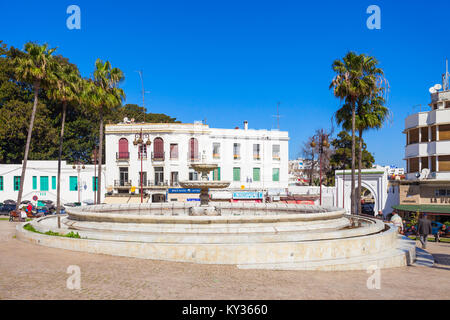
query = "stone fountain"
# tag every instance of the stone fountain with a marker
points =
(204, 185)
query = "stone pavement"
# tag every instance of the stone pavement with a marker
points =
(30, 271)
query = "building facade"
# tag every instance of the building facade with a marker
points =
(78, 182)
(249, 159)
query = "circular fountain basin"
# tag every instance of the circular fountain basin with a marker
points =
(269, 236)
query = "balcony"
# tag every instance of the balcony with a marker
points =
(152, 183)
(158, 156)
(122, 183)
(192, 157)
(256, 157)
(276, 157)
(142, 155)
(122, 156)
(236, 156)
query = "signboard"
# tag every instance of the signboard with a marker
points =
(193, 199)
(35, 198)
(183, 190)
(247, 195)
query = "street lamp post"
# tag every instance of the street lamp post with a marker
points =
(78, 166)
(139, 141)
(323, 143)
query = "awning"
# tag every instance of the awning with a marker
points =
(424, 208)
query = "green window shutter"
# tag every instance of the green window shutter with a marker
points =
(256, 174)
(16, 183)
(236, 174)
(1, 183)
(53, 183)
(94, 183)
(276, 174)
(73, 183)
(44, 183)
(216, 174)
(34, 182)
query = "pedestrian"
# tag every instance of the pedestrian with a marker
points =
(397, 221)
(23, 215)
(440, 233)
(29, 208)
(424, 230)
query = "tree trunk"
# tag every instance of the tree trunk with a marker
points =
(27, 146)
(359, 170)
(58, 191)
(353, 159)
(100, 156)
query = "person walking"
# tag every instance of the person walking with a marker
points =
(424, 230)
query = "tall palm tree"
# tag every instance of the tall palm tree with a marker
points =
(66, 80)
(104, 95)
(352, 82)
(33, 67)
(370, 114)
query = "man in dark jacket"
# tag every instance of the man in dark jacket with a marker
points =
(424, 230)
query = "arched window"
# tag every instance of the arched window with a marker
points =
(158, 149)
(123, 149)
(193, 149)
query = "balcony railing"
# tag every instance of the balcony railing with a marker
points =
(192, 157)
(122, 155)
(158, 156)
(143, 155)
(237, 157)
(122, 183)
(152, 183)
(276, 157)
(256, 157)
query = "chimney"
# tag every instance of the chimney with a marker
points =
(245, 125)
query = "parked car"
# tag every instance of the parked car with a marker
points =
(6, 208)
(9, 201)
(43, 210)
(437, 226)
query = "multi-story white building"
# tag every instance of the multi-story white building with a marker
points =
(251, 159)
(428, 139)
(77, 181)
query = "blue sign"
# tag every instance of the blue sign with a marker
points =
(193, 199)
(183, 190)
(247, 195)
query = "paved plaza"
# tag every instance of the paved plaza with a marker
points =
(29, 271)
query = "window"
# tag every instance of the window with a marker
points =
(94, 183)
(159, 176)
(53, 183)
(236, 174)
(174, 178)
(193, 176)
(193, 150)
(236, 151)
(441, 192)
(34, 182)
(173, 151)
(216, 174)
(73, 183)
(275, 174)
(256, 152)
(216, 150)
(142, 153)
(1, 183)
(123, 149)
(276, 152)
(256, 174)
(158, 149)
(16, 183)
(44, 183)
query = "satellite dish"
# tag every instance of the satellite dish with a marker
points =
(424, 173)
(418, 175)
(437, 86)
(432, 90)
(125, 120)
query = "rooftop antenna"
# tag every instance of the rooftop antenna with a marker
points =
(143, 91)
(278, 115)
(445, 77)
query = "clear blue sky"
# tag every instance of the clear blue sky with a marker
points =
(230, 61)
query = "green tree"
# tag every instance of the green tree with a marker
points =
(34, 68)
(355, 78)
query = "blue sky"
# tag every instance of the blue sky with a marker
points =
(230, 61)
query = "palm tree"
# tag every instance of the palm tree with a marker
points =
(352, 82)
(33, 67)
(66, 80)
(103, 93)
(370, 114)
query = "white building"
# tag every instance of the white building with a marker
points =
(428, 140)
(251, 159)
(77, 183)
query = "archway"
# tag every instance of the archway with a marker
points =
(367, 201)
